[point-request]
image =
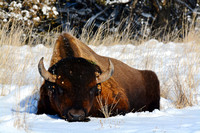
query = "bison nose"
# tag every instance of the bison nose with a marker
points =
(76, 115)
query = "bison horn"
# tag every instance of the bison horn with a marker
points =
(44, 73)
(107, 74)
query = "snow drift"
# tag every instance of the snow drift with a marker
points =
(176, 64)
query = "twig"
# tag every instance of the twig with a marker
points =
(183, 3)
(89, 22)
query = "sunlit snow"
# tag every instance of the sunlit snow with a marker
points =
(18, 102)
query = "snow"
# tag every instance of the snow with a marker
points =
(5, 20)
(15, 4)
(35, 7)
(18, 100)
(45, 9)
(55, 11)
(116, 1)
(36, 19)
(29, 15)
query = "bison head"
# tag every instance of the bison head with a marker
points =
(72, 85)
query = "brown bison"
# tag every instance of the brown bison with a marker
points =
(79, 83)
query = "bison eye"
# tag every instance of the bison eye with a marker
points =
(92, 90)
(60, 90)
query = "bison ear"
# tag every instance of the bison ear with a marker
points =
(44, 73)
(107, 74)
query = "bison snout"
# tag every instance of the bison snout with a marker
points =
(76, 115)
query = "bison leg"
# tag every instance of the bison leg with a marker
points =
(44, 107)
(41, 108)
(154, 105)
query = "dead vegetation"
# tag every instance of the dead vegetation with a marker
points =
(105, 108)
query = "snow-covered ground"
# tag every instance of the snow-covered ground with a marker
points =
(176, 64)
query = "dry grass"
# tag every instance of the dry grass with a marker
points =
(14, 67)
(181, 85)
(106, 35)
(16, 35)
(105, 108)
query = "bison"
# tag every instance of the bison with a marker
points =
(79, 83)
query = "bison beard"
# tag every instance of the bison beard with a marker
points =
(73, 82)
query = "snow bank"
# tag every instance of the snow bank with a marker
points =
(20, 81)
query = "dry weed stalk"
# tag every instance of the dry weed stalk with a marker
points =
(105, 108)
(20, 119)
(182, 100)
